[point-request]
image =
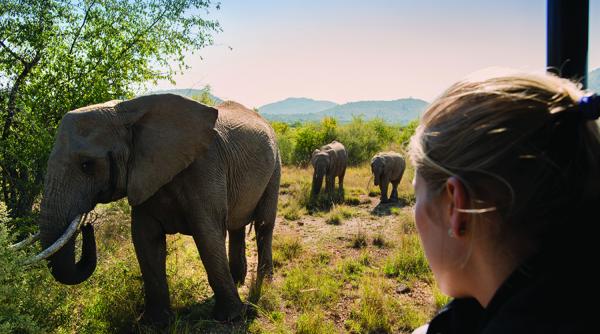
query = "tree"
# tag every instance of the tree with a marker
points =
(205, 97)
(59, 55)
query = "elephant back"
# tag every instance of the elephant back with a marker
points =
(242, 126)
(394, 162)
(338, 155)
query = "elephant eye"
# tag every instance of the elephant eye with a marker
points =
(87, 167)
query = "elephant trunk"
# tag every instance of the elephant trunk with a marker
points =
(62, 263)
(53, 224)
(376, 179)
(316, 184)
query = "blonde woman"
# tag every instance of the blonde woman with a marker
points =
(508, 190)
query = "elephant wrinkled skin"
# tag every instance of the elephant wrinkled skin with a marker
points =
(388, 167)
(330, 162)
(185, 168)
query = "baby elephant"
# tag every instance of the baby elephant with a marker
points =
(388, 167)
(329, 161)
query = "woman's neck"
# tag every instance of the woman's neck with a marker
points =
(490, 269)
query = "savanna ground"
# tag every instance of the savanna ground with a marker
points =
(356, 267)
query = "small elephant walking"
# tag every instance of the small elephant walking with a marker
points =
(388, 167)
(185, 168)
(329, 161)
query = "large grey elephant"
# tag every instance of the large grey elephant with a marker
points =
(388, 167)
(329, 162)
(185, 168)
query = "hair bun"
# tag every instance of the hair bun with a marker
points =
(589, 106)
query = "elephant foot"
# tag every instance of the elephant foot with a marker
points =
(238, 273)
(384, 200)
(159, 318)
(238, 277)
(229, 312)
(265, 274)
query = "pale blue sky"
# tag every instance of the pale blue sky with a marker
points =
(367, 50)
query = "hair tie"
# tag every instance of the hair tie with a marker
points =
(589, 106)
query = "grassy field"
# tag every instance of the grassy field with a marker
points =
(357, 267)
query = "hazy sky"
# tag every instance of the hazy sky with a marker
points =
(367, 50)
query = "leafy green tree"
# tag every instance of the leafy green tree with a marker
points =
(329, 129)
(205, 97)
(59, 55)
(407, 132)
(308, 138)
(362, 139)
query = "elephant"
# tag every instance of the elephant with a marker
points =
(185, 168)
(388, 167)
(330, 162)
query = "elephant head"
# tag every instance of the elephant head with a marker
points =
(377, 167)
(320, 161)
(106, 152)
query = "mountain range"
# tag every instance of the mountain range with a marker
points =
(301, 109)
(296, 105)
(292, 110)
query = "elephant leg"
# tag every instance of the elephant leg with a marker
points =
(384, 189)
(341, 180)
(150, 247)
(329, 184)
(237, 255)
(266, 213)
(209, 235)
(394, 195)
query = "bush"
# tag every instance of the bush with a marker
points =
(308, 138)
(361, 138)
(29, 300)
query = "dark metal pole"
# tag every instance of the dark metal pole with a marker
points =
(567, 38)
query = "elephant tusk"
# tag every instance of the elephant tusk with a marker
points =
(29, 240)
(369, 183)
(58, 244)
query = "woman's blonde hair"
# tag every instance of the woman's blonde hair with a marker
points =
(519, 145)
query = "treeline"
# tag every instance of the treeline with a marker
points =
(361, 138)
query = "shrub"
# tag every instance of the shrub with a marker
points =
(334, 218)
(359, 240)
(29, 299)
(361, 138)
(308, 138)
(379, 241)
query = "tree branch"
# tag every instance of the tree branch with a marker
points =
(85, 17)
(12, 53)
(12, 97)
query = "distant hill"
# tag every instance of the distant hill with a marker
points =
(594, 80)
(399, 111)
(296, 105)
(187, 92)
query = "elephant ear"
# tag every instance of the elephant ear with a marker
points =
(313, 155)
(168, 133)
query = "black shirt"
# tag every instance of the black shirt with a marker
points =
(545, 295)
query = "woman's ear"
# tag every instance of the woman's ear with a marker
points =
(458, 200)
(169, 132)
